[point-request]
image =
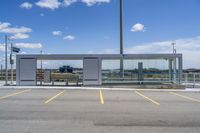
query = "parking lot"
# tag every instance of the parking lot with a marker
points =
(85, 111)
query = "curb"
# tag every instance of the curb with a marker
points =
(99, 88)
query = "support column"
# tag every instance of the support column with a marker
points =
(170, 71)
(17, 71)
(174, 70)
(180, 69)
(140, 72)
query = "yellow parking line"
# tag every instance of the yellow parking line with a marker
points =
(52, 98)
(13, 94)
(101, 97)
(186, 97)
(147, 98)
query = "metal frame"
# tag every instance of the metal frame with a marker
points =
(171, 57)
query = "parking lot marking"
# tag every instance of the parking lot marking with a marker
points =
(186, 97)
(52, 98)
(13, 94)
(101, 97)
(147, 98)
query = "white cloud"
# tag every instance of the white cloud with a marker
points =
(16, 30)
(138, 28)
(92, 2)
(69, 2)
(19, 36)
(50, 4)
(182, 45)
(26, 5)
(57, 33)
(2, 47)
(29, 45)
(55, 4)
(4, 25)
(189, 47)
(69, 37)
(105, 51)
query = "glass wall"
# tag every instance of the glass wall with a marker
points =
(59, 72)
(135, 71)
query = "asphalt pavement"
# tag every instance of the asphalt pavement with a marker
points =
(98, 111)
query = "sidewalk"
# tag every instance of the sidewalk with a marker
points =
(97, 88)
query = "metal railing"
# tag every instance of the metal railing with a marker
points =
(191, 80)
(130, 77)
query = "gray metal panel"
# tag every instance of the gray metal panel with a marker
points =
(140, 71)
(180, 69)
(27, 71)
(91, 71)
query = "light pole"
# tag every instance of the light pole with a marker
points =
(41, 69)
(11, 63)
(121, 40)
(174, 50)
(6, 60)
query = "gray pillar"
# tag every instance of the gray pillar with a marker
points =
(170, 70)
(26, 71)
(174, 70)
(180, 69)
(140, 72)
(17, 70)
(92, 71)
(122, 68)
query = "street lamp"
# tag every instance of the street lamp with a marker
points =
(121, 40)
(41, 68)
(6, 60)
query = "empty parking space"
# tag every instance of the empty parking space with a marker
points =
(13, 93)
(186, 96)
(97, 109)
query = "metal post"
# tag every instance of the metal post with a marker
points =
(170, 70)
(194, 80)
(174, 63)
(6, 60)
(41, 69)
(180, 69)
(1, 72)
(186, 78)
(121, 40)
(174, 71)
(11, 63)
(140, 72)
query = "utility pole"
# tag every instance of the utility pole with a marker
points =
(6, 60)
(121, 40)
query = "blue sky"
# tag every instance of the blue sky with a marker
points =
(92, 26)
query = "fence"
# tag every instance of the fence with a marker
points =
(191, 80)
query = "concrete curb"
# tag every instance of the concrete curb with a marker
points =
(99, 88)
